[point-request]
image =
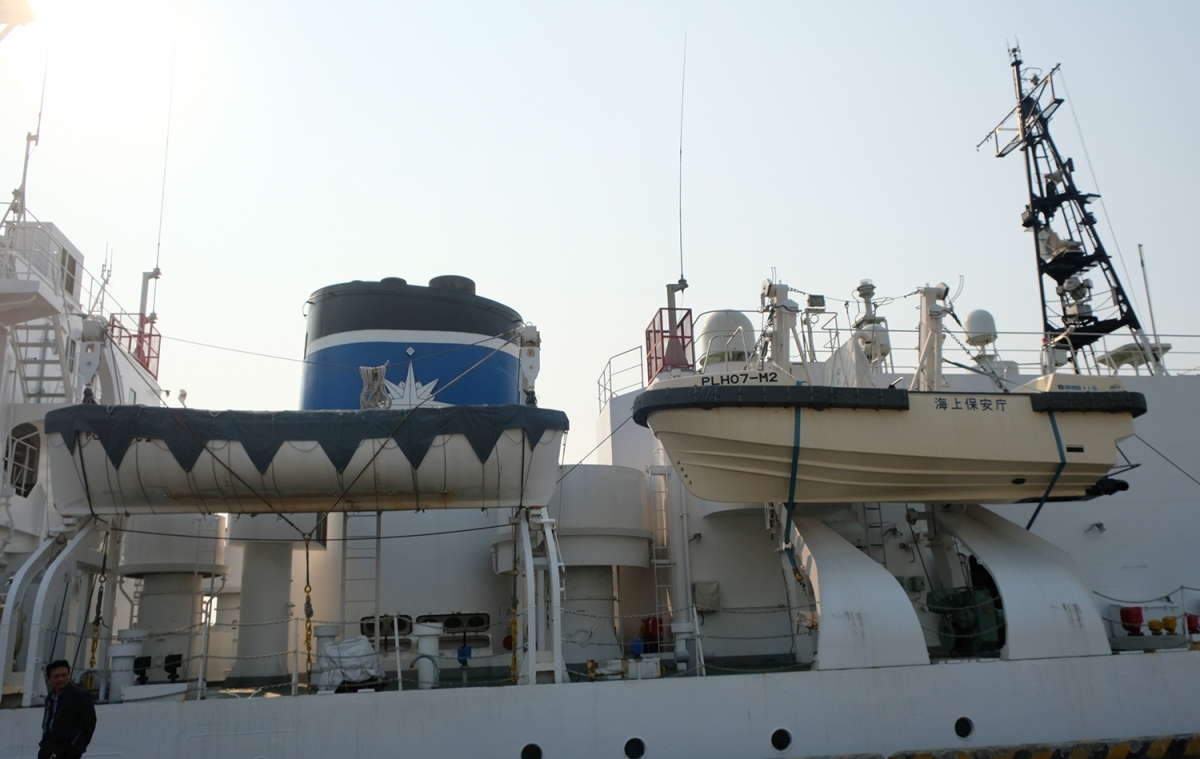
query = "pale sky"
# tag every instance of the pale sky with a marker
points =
(534, 147)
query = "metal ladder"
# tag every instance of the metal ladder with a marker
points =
(873, 525)
(360, 570)
(43, 365)
(660, 558)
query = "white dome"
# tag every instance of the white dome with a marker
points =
(723, 337)
(980, 328)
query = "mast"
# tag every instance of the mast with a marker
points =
(1068, 250)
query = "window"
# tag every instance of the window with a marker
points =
(21, 458)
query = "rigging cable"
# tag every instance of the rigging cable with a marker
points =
(1062, 464)
(1164, 457)
(1095, 183)
(343, 539)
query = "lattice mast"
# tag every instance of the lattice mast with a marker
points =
(1067, 246)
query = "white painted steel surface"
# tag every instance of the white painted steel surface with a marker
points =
(877, 711)
(864, 617)
(1049, 610)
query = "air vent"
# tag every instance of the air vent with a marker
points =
(459, 622)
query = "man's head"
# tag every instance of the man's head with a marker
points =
(58, 674)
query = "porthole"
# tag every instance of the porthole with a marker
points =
(781, 739)
(963, 727)
(531, 751)
(635, 748)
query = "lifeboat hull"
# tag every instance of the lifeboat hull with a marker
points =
(135, 460)
(843, 445)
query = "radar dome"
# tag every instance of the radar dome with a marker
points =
(980, 328)
(724, 337)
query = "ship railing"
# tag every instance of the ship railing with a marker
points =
(1109, 355)
(74, 641)
(1161, 616)
(31, 250)
(669, 342)
(623, 373)
(144, 343)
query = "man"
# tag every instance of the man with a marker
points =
(69, 719)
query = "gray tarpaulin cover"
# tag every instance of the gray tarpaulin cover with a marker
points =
(186, 432)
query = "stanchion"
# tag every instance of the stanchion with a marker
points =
(296, 658)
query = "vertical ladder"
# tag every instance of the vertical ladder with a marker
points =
(360, 570)
(873, 525)
(136, 603)
(660, 554)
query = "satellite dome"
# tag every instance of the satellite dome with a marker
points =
(980, 328)
(723, 337)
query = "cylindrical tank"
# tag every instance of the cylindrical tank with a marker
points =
(175, 543)
(587, 623)
(263, 636)
(176, 556)
(429, 337)
(170, 613)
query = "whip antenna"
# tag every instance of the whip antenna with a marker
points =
(682, 90)
(162, 197)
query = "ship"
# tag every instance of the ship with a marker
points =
(806, 534)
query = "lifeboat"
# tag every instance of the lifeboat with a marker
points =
(741, 437)
(138, 460)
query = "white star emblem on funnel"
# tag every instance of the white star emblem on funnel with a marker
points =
(410, 393)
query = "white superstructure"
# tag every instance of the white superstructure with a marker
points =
(784, 549)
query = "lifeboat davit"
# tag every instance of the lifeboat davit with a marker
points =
(736, 438)
(139, 460)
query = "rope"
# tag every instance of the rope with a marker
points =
(374, 395)
(791, 502)
(1062, 459)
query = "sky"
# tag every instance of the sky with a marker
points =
(535, 147)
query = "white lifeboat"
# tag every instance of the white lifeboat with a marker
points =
(746, 437)
(139, 460)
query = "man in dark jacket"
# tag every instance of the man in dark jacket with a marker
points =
(69, 719)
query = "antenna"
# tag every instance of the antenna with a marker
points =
(1066, 243)
(1149, 305)
(682, 91)
(32, 140)
(162, 198)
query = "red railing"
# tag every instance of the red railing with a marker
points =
(143, 345)
(669, 343)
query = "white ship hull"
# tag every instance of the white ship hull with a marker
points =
(1041, 704)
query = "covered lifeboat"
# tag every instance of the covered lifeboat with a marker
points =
(445, 377)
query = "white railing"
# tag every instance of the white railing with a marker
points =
(31, 250)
